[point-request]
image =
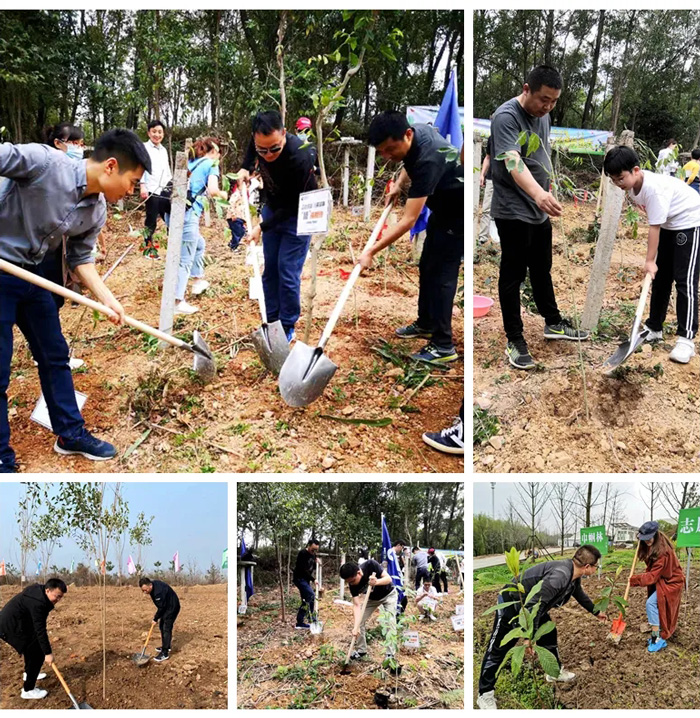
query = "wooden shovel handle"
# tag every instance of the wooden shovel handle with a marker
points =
(61, 679)
(636, 553)
(148, 638)
(356, 625)
(643, 297)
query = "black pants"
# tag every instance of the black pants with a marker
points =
(308, 601)
(525, 247)
(422, 574)
(677, 261)
(495, 652)
(33, 660)
(439, 272)
(438, 577)
(166, 629)
(155, 205)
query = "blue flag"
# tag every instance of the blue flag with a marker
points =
(249, 591)
(392, 560)
(447, 120)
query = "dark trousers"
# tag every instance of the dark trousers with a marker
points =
(438, 577)
(284, 253)
(237, 227)
(421, 575)
(677, 261)
(155, 206)
(308, 597)
(166, 629)
(525, 247)
(438, 275)
(34, 311)
(495, 652)
(33, 660)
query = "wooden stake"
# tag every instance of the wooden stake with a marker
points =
(369, 176)
(346, 175)
(316, 244)
(476, 187)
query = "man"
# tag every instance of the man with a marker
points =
(23, 626)
(560, 581)
(420, 561)
(382, 594)
(287, 170)
(521, 207)
(438, 569)
(49, 196)
(426, 591)
(437, 180)
(156, 186)
(167, 608)
(304, 575)
(303, 128)
(667, 163)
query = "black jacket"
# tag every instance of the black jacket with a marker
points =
(305, 568)
(23, 619)
(165, 598)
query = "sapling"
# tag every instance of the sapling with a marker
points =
(607, 596)
(392, 638)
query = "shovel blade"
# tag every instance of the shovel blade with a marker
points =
(82, 707)
(625, 350)
(141, 659)
(204, 363)
(316, 628)
(271, 344)
(305, 374)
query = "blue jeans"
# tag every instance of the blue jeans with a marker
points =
(35, 312)
(284, 253)
(191, 254)
(653, 610)
(306, 609)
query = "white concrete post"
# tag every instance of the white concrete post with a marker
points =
(475, 183)
(346, 175)
(342, 582)
(369, 176)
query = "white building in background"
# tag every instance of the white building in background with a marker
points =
(623, 532)
(570, 540)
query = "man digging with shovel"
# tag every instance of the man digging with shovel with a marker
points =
(303, 577)
(168, 605)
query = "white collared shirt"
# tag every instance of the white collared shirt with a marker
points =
(160, 175)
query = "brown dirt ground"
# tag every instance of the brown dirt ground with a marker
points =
(264, 645)
(242, 412)
(194, 677)
(637, 423)
(609, 675)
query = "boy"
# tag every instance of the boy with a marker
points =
(673, 211)
(427, 591)
(691, 170)
(49, 196)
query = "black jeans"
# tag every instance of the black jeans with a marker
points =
(33, 660)
(677, 261)
(439, 576)
(308, 600)
(422, 574)
(525, 247)
(439, 272)
(166, 630)
(156, 205)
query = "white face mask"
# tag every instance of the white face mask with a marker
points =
(75, 151)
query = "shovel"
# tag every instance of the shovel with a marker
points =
(269, 340)
(345, 670)
(76, 705)
(203, 359)
(308, 370)
(619, 625)
(636, 339)
(141, 659)
(316, 625)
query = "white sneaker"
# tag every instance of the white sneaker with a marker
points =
(40, 677)
(75, 363)
(420, 618)
(432, 618)
(35, 694)
(198, 286)
(652, 336)
(183, 307)
(487, 701)
(563, 677)
(684, 350)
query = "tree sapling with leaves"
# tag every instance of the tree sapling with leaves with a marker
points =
(540, 588)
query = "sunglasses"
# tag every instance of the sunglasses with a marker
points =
(268, 151)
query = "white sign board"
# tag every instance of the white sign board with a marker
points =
(459, 610)
(314, 212)
(411, 639)
(428, 602)
(255, 288)
(41, 412)
(242, 609)
(458, 622)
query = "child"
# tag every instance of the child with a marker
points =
(667, 163)
(427, 590)
(664, 581)
(691, 170)
(234, 217)
(673, 211)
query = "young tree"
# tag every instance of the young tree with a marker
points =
(533, 497)
(653, 489)
(140, 536)
(561, 509)
(47, 529)
(679, 495)
(34, 494)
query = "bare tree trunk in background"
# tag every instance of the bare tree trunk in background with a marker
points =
(605, 501)
(280, 61)
(452, 512)
(289, 563)
(621, 76)
(653, 489)
(549, 38)
(594, 71)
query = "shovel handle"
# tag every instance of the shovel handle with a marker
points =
(256, 266)
(354, 638)
(634, 560)
(64, 684)
(148, 638)
(642, 301)
(38, 281)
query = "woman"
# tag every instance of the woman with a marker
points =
(66, 138)
(203, 167)
(664, 581)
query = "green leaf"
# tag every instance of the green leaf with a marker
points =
(498, 607)
(522, 138)
(619, 571)
(606, 592)
(602, 605)
(521, 588)
(544, 629)
(515, 633)
(533, 144)
(548, 661)
(516, 660)
(521, 166)
(513, 561)
(511, 164)
(533, 592)
(506, 657)
(386, 421)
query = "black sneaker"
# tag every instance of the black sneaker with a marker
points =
(565, 330)
(519, 355)
(357, 656)
(449, 441)
(86, 445)
(161, 657)
(302, 627)
(437, 356)
(412, 331)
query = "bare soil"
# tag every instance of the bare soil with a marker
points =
(240, 423)
(646, 420)
(196, 676)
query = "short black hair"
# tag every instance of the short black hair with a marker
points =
(155, 123)
(587, 555)
(265, 123)
(144, 582)
(619, 159)
(695, 154)
(543, 75)
(416, 548)
(399, 542)
(427, 580)
(390, 124)
(670, 142)
(348, 570)
(53, 583)
(63, 132)
(125, 146)
(313, 542)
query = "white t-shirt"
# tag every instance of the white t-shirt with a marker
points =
(668, 201)
(432, 593)
(665, 164)
(160, 175)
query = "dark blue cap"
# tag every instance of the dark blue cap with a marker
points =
(648, 530)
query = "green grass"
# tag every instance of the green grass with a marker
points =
(486, 425)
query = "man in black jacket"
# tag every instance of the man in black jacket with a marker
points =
(560, 581)
(304, 575)
(168, 605)
(23, 626)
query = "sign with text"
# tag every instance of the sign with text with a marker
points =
(41, 411)
(411, 639)
(458, 622)
(429, 603)
(595, 536)
(314, 215)
(688, 528)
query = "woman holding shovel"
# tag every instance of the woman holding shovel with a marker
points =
(664, 581)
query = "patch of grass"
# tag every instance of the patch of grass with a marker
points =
(191, 402)
(486, 425)
(526, 296)
(503, 379)
(452, 698)
(615, 323)
(148, 393)
(413, 372)
(626, 372)
(281, 425)
(237, 429)
(149, 344)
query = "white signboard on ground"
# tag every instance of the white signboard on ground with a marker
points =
(41, 412)
(314, 212)
(428, 603)
(458, 622)
(459, 610)
(242, 609)
(411, 639)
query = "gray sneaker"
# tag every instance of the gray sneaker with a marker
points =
(519, 355)
(487, 701)
(565, 330)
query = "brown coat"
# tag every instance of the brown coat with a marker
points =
(665, 576)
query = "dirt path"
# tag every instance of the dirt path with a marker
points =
(194, 677)
(240, 423)
(647, 420)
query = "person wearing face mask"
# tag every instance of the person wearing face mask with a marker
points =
(23, 626)
(156, 186)
(664, 581)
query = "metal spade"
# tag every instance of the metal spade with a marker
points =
(141, 659)
(204, 363)
(307, 370)
(636, 338)
(316, 626)
(76, 705)
(269, 340)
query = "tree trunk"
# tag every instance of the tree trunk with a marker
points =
(594, 71)
(280, 61)
(588, 503)
(452, 513)
(549, 38)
